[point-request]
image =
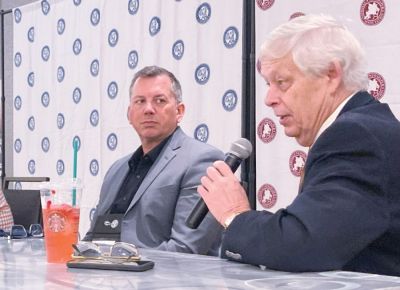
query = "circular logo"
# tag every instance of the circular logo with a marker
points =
(94, 118)
(133, 6)
(77, 2)
(17, 59)
(112, 90)
(202, 74)
(133, 59)
(265, 4)
(203, 13)
(113, 38)
(60, 74)
(45, 7)
(372, 11)
(60, 167)
(154, 26)
(31, 34)
(229, 100)
(178, 48)
(376, 85)
(76, 95)
(31, 123)
(94, 68)
(17, 103)
(45, 53)
(18, 185)
(56, 222)
(267, 196)
(31, 79)
(231, 36)
(77, 46)
(17, 15)
(95, 17)
(31, 166)
(112, 141)
(296, 14)
(45, 144)
(45, 99)
(114, 224)
(266, 130)
(60, 120)
(78, 142)
(201, 133)
(18, 145)
(94, 167)
(297, 161)
(60, 26)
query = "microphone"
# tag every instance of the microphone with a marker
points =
(240, 150)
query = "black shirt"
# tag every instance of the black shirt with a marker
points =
(139, 166)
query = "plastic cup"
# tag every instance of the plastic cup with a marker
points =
(61, 209)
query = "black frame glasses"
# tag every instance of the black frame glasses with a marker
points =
(19, 232)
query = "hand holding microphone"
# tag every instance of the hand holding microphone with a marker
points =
(220, 188)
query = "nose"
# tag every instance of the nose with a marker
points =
(149, 108)
(271, 97)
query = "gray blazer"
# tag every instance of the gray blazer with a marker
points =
(156, 216)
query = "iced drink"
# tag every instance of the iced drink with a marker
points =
(61, 225)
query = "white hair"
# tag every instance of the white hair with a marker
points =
(315, 41)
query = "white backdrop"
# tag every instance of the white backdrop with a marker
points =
(375, 22)
(73, 63)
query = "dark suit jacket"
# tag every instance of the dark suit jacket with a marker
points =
(347, 215)
(156, 216)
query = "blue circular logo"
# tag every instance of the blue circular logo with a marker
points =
(31, 79)
(133, 6)
(45, 53)
(113, 38)
(133, 59)
(18, 145)
(31, 34)
(201, 133)
(78, 142)
(231, 37)
(76, 95)
(17, 59)
(94, 167)
(154, 26)
(95, 17)
(94, 68)
(77, 2)
(60, 121)
(60, 26)
(60, 167)
(17, 103)
(112, 90)
(112, 141)
(60, 74)
(203, 13)
(31, 123)
(202, 74)
(229, 100)
(94, 118)
(77, 47)
(178, 49)
(45, 99)
(31, 166)
(17, 15)
(45, 7)
(45, 144)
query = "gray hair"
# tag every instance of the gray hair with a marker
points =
(153, 71)
(315, 41)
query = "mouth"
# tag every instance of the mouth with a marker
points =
(283, 119)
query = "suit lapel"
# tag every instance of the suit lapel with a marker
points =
(358, 100)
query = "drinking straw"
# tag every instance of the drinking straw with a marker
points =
(74, 172)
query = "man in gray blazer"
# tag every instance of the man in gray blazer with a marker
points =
(155, 188)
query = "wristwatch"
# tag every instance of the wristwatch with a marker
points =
(229, 220)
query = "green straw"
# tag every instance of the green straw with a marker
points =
(74, 172)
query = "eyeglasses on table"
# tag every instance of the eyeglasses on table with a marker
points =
(19, 232)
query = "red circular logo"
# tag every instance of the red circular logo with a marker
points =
(372, 12)
(266, 130)
(297, 161)
(265, 4)
(296, 14)
(56, 222)
(376, 85)
(267, 196)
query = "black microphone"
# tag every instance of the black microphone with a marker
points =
(240, 150)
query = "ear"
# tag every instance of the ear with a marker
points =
(180, 111)
(335, 76)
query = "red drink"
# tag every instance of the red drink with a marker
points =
(61, 225)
